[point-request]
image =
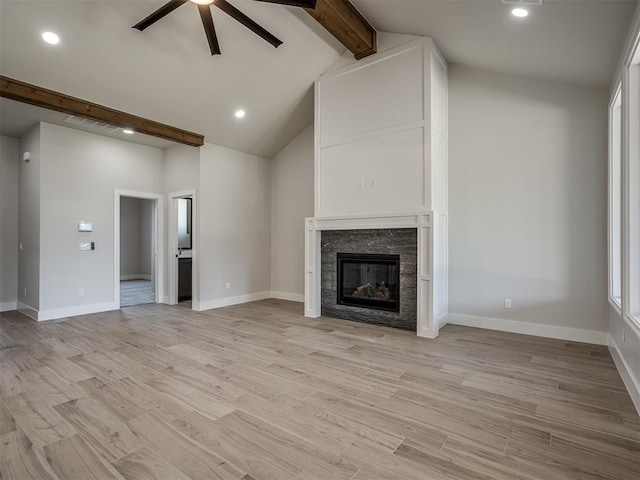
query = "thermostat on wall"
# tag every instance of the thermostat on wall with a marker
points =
(85, 226)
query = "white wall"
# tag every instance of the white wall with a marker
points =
(136, 228)
(291, 202)
(9, 168)
(381, 134)
(234, 227)
(80, 172)
(130, 237)
(76, 181)
(181, 168)
(181, 172)
(29, 195)
(371, 134)
(527, 204)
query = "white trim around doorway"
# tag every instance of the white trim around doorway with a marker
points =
(158, 242)
(172, 246)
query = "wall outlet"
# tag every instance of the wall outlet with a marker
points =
(81, 292)
(84, 246)
(360, 184)
(507, 303)
(373, 184)
(25, 291)
(228, 286)
(21, 247)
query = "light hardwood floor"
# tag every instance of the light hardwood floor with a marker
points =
(257, 391)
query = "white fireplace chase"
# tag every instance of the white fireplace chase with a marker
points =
(381, 164)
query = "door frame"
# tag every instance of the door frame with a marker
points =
(157, 247)
(172, 246)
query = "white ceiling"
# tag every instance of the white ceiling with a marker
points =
(167, 74)
(576, 41)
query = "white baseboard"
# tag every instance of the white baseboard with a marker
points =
(135, 276)
(226, 302)
(293, 297)
(8, 306)
(57, 313)
(626, 372)
(424, 333)
(527, 328)
(27, 310)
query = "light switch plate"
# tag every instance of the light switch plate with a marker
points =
(85, 226)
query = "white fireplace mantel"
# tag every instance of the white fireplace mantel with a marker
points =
(432, 254)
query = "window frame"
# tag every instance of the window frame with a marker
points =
(629, 79)
(615, 201)
(631, 188)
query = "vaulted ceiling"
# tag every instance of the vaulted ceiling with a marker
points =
(576, 41)
(166, 73)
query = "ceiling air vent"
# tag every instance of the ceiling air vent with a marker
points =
(524, 3)
(92, 124)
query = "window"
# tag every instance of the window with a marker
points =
(631, 196)
(615, 199)
(624, 191)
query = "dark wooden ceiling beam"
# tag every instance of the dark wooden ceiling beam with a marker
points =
(41, 97)
(347, 24)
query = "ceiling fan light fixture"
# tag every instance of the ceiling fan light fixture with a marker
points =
(207, 19)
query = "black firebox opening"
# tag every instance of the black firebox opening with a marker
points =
(369, 281)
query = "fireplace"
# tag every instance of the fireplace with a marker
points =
(369, 281)
(351, 259)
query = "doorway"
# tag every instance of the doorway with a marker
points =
(182, 248)
(136, 261)
(137, 285)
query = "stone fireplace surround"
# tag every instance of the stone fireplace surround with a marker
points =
(403, 242)
(430, 276)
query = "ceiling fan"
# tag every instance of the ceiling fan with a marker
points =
(204, 6)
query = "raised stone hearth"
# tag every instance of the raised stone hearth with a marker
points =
(402, 242)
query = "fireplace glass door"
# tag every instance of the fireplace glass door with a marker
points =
(369, 281)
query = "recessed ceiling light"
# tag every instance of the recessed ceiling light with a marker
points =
(51, 38)
(520, 12)
(203, 2)
(240, 113)
(128, 131)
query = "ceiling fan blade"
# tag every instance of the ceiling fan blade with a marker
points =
(209, 29)
(232, 11)
(293, 3)
(162, 12)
